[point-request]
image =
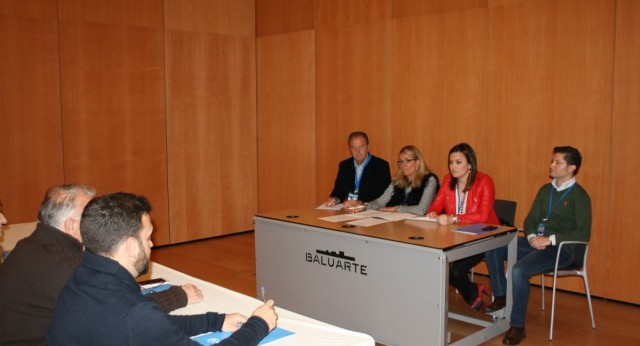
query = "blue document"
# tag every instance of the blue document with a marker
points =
(158, 288)
(476, 229)
(215, 337)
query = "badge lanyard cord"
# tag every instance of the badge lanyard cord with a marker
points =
(359, 176)
(460, 200)
(553, 206)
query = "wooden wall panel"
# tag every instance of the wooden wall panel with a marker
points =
(353, 81)
(551, 85)
(284, 16)
(229, 17)
(622, 255)
(440, 85)
(409, 8)
(30, 125)
(286, 121)
(42, 9)
(339, 13)
(113, 111)
(211, 134)
(146, 13)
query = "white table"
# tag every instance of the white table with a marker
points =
(307, 331)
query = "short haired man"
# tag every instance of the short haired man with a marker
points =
(40, 265)
(102, 305)
(363, 177)
(561, 211)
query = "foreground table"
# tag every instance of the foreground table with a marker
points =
(389, 280)
(307, 331)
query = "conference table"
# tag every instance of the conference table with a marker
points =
(388, 280)
(308, 331)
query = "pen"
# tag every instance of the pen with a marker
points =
(264, 300)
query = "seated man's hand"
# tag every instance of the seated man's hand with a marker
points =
(351, 203)
(194, 295)
(331, 202)
(268, 313)
(539, 243)
(233, 322)
(353, 206)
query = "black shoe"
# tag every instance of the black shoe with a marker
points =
(514, 336)
(498, 304)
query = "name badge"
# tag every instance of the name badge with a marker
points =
(541, 226)
(352, 195)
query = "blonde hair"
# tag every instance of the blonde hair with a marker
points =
(400, 180)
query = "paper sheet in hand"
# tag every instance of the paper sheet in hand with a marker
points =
(215, 337)
(333, 207)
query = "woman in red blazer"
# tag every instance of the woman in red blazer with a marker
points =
(466, 196)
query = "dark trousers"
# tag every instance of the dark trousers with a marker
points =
(459, 277)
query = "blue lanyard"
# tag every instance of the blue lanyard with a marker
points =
(460, 200)
(359, 176)
(553, 206)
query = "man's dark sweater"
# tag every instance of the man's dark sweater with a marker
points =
(31, 280)
(102, 305)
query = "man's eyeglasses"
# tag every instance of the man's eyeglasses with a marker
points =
(402, 162)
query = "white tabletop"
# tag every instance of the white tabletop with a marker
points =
(307, 331)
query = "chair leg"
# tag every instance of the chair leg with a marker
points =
(586, 287)
(553, 306)
(542, 289)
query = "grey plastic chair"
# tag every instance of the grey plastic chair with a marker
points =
(577, 268)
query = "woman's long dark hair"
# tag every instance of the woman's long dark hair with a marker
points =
(470, 155)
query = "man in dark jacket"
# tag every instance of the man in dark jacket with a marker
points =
(102, 305)
(363, 177)
(40, 265)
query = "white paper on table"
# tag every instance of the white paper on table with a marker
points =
(396, 216)
(369, 213)
(332, 207)
(370, 221)
(425, 218)
(339, 218)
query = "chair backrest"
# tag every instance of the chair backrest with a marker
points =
(580, 251)
(506, 211)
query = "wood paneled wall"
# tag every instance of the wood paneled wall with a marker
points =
(513, 78)
(152, 97)
(216, 109)
(113, 109)
(620, 256)
(30, 118)
(286, 119)
(211, 117)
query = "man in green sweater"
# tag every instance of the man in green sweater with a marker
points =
(561, 211)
